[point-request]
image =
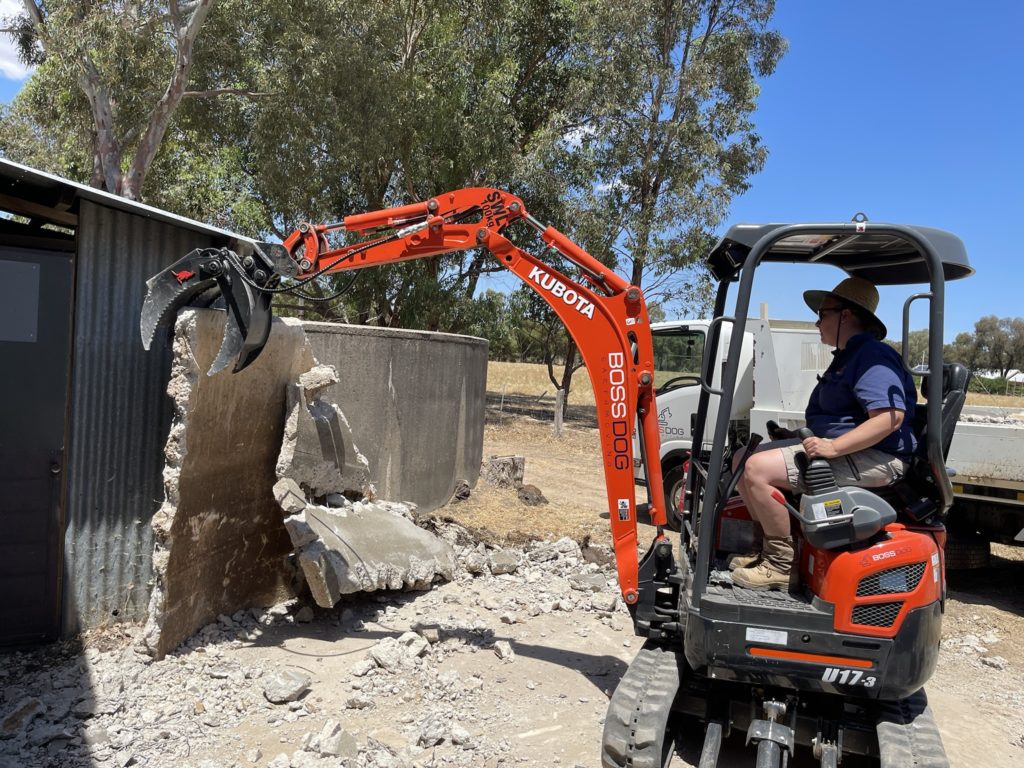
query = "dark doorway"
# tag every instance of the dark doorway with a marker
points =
(35, 346)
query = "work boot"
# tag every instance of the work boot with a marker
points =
(743, 561)
(773, 571)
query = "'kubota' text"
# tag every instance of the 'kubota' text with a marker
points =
(559, 290)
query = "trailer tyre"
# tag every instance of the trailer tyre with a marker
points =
(965, 553)
(675, 486)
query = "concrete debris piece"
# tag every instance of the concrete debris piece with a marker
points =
(588, 582)
(289, 495)
(459, 735)
(285, 686)
(503, 650)
(335, 741)
(501, 561)
(254, 755)
(433, 731)
(415, 645)
(475, 563)
(389, 654)
(299, 530)
(318, 451)
(23, 713)
(531, 496)
(505, 471)
(369, 549)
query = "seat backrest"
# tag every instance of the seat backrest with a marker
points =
(955, 378)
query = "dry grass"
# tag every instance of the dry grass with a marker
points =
(569, 472)
(532, 379)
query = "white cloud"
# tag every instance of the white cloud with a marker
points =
(10, 66)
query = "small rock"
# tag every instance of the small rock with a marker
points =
(281, 761)
(389, 654)
(364, 667)
(503, 650)
(254, 755)
(304, 615)
(287, 685)
(24, 712)
(502, 561)
(460, 736)
(531, 496)
(996, 662)
(433, 731)
(587, 582)
(415, 644)
(359, 702)
(431, 634)
(334, 741)
(476, 563)
(508, 618)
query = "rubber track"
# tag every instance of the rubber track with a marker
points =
(908, 736)
(638, 713)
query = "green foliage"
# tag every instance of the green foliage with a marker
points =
(629, 125)
(997, 344)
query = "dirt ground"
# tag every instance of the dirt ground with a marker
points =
(468, 700)
(977, 692)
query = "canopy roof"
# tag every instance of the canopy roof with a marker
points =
(885, 254)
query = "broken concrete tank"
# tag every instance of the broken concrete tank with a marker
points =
(413, 402)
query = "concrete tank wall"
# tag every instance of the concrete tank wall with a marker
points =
(415, 401)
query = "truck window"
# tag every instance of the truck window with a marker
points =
(677, 357)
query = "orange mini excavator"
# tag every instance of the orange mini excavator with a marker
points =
(836, 664)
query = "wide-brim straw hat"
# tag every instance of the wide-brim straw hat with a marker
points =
(856, 291)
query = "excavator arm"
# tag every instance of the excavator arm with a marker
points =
(605, 315)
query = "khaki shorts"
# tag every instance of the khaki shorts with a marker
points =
(870, 468)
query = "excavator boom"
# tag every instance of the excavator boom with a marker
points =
(604, 314)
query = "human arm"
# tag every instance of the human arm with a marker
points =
(881, 422)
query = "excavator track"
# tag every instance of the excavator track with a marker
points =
(636, 728)
(908, 736)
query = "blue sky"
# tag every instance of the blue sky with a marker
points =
(908, 111)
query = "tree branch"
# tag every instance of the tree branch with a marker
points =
(225, 92)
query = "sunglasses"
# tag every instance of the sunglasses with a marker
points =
(825, 310)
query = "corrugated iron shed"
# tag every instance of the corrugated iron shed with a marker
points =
(116, 415)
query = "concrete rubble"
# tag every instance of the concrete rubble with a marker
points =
(227, 536)
(220, 702)
(345, 546)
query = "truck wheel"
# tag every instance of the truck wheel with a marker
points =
(964, 553)
(675, 486)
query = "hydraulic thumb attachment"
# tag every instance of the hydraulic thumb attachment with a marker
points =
(605, 315)
(206, 275)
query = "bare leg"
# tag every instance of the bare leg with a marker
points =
(765, 471)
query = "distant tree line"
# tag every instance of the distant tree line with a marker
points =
(996, 345)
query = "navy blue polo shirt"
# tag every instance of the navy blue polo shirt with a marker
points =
(866, 375)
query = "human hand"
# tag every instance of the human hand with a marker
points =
(820, 448)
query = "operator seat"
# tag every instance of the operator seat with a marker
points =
(916, 495)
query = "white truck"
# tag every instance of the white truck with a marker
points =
(780, 364)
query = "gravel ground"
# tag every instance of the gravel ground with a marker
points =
(511, 664)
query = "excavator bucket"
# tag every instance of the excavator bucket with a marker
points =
(245, 283)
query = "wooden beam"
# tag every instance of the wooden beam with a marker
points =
(32, 210)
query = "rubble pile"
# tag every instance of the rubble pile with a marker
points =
(421, 690)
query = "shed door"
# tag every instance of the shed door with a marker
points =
(35, 338)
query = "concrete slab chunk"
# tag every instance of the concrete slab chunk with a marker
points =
(369, 549)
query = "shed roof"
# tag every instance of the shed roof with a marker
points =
(46, 198)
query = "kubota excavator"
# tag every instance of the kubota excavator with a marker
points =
(838, 665)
